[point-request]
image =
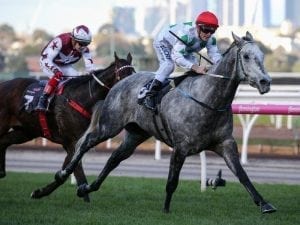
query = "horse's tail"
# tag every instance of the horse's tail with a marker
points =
(96, 114)
(93, 124)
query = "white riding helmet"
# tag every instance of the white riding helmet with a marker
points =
(82, 35)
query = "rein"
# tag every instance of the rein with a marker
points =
(216, 75)
(202, 103)
(117, 75)
(99, 81)
(117, 71)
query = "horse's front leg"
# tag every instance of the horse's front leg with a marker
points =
(228, 149)
(176, 163)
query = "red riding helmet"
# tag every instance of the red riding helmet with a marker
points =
(207, 18)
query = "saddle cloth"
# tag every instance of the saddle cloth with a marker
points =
(33, 92)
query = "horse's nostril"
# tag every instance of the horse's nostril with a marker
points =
(264, 82)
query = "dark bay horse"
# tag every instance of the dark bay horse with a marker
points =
(196, 115)
(66, 124)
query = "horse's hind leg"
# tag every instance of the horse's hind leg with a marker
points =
(124, 151)
(16, 136)
(90, 139)
(230, 153)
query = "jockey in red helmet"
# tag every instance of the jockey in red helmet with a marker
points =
(207, 18)
(60, 54)
(175, 45)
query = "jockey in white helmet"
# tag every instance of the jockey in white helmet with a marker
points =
(58, 56)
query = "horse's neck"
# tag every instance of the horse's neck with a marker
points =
(222, 90)
(87, 91)
(107, 76)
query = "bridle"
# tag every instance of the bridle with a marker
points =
(116, 72)
(239, 61)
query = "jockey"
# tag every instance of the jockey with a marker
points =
(59, 55)
(172, 51)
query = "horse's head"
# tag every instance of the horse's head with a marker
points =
(117, 70)
(123, 67)
(249, 63)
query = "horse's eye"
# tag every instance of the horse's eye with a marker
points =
(246, 57)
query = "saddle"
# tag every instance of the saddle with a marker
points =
(170, 84)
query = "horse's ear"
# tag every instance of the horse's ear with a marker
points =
(236, 39)
(116, 56)
(249, 36)
(129, 58)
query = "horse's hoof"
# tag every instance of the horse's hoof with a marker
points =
(267, 208)
(2, 174)
(36, 194)
(59, 177)
(166, 210)
(86, 198)
(82, 190)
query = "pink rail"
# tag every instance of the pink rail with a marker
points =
(266, 109)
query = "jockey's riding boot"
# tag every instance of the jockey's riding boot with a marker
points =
(43, 101)
(42, 104)
(154, 88)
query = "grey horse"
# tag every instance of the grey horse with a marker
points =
(194, 116)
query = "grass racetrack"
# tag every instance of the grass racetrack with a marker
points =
(139, 201)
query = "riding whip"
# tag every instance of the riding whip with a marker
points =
(171, 32)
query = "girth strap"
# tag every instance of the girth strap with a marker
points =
(79, 108)
(44, 124)
(158, 123)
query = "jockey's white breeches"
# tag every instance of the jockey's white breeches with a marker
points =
(166, 64)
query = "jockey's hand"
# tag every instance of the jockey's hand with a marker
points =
(199, 69)
(91, 72)
(58, 74)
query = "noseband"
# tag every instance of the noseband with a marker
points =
(118, 70)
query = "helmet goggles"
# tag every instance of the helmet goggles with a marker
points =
(82, 44)
(207, 29)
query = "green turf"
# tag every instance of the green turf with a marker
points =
(133, 201)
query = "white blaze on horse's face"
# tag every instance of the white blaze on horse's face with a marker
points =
(251, 63)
